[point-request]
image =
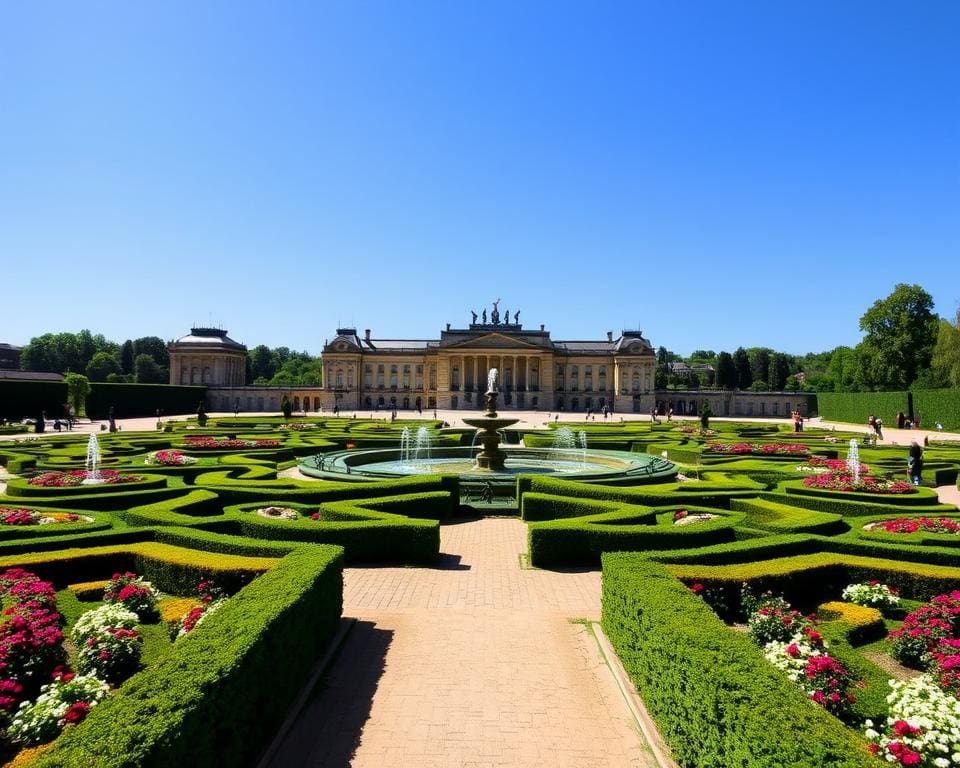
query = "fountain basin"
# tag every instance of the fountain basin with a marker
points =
(584, 466)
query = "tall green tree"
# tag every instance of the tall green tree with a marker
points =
(726, 371)
(901, 332)
(148, 372)
(78, 389)
(102, 365)
(760, 364)
(153, 346)
(261, 363)
(127, 356)
(779, 371)
(741, 362)
(945, 361)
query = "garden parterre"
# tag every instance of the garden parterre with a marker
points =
(734, 516)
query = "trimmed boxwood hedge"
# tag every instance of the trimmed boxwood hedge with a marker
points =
(715, 699)
(221, 693)
(581, 541)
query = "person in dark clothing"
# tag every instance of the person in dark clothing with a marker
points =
(915, 462)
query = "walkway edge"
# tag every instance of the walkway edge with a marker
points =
(346, 624)
(659, 748)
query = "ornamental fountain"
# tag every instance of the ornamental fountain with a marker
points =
(491, 457)
(93, 462)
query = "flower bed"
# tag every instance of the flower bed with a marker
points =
(169, 458)
(760, 449)
(865, 484)
(75, 477)
(132, 593)
(24, 516)
(202, 443)
(298, 426)
(916, 525)
(278, 513)
(923, 726)
(872, 594)
(684, 517)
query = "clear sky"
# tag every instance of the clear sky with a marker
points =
(715, 173)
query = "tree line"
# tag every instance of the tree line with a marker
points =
(144, 360)
(905, 345)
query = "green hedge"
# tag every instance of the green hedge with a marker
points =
(221, 693)
(856, 407)
(938, 405)
(581, 541)
(21, 399)
(130, 400)
(715, 699)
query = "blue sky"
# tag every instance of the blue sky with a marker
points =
(716, 174)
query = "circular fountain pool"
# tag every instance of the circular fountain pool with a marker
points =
(585, 465)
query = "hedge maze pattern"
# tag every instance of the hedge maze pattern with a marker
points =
(731, 518)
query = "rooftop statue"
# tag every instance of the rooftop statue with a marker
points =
(495, 313)
(474, 321)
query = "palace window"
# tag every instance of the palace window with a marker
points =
(603, 378)
(368, 376)
(433, 377)
(588, 378)
(418, 377)
(574, 378)
(380, 376)
(455, 377)
(636, 382)
(393, 377)
(535, 377)
(406, 377)
(350, 377)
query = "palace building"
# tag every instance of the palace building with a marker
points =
(535, 371)
(365, 374)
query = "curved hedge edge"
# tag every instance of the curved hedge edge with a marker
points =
(219, 695)
(714, 697)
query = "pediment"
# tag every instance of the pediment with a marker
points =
(493, 341)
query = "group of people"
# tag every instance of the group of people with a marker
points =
(797, 421)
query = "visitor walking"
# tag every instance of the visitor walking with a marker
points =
(112, 420)
(915, 462)
(878, 428)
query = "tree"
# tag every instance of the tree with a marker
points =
(779, 371)
(285, 408)
(261, 363)
(102, 364)
(844, 370)
(726, 371)
(148, 372)
(78, 388)
(741, 361)
(945, 361)
(901, 332)
(155, 347)
(706, 412)
(760, 365)
(127, 356)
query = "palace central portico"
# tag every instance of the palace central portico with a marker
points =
(536, 372)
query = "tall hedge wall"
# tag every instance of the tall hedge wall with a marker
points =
(935, 405)
(25, 399)
(142, 399)
(856, 407)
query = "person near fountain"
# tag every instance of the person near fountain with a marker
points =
(915, 462)
(878, 427)
(112, 420)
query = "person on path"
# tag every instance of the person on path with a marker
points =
(915, 463)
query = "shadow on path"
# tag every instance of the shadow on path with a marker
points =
(328, 730)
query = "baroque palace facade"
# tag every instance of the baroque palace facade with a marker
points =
(365, 374)
(535, 371)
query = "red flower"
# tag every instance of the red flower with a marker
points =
(77, 712)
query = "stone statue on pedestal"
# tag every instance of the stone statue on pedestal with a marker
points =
(506, 317)
(484, 315)
(516, 317)
(474, 321)
(495, 313)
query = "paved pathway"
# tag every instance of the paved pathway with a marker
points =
(473, 663)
